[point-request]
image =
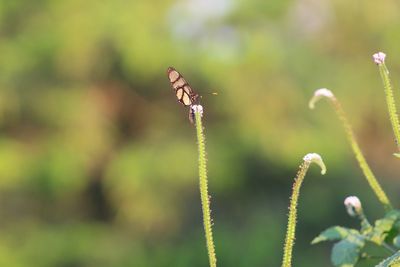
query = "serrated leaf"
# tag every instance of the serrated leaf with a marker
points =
(383, 227)
(334, 233)
(392, 261)
(346, 252)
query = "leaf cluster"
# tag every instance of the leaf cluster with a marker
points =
(349, 249)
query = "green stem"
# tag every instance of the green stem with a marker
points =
(394, 119)
(365, 224)
(369, 175)
(291, 226)
(205, 203)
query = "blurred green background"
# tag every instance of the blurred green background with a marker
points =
(98, 163)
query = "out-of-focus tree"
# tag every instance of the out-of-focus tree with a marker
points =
(97, 161)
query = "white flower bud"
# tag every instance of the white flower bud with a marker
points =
(379, 58)
(353, 206)
(197, 108)
(316, 158)
(318, 94)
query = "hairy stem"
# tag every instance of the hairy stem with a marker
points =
(394, 119)
(369, 175)
(205, 203)
(291, 227)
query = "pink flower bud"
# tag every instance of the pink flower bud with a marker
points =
(353, 206)
(379, 58)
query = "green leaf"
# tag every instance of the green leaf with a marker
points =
(380, 231)
(346, 252)
(392, 261)
(394, 214)
(334, 233)
(396, 225)
(384, 226)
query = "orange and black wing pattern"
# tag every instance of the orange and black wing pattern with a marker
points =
(184, 93)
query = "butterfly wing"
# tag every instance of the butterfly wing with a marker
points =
(184, 93)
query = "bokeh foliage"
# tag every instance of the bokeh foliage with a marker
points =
(98, 162)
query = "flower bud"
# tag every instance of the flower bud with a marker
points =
(197, 108)
(316, 158)
(379, 58)
(318, 94)
(353, 206)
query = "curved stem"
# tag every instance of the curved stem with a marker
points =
(369, 175)
(291, 227)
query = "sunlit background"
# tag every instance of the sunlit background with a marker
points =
(98, 161)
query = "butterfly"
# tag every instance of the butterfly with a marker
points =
(183, 91)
